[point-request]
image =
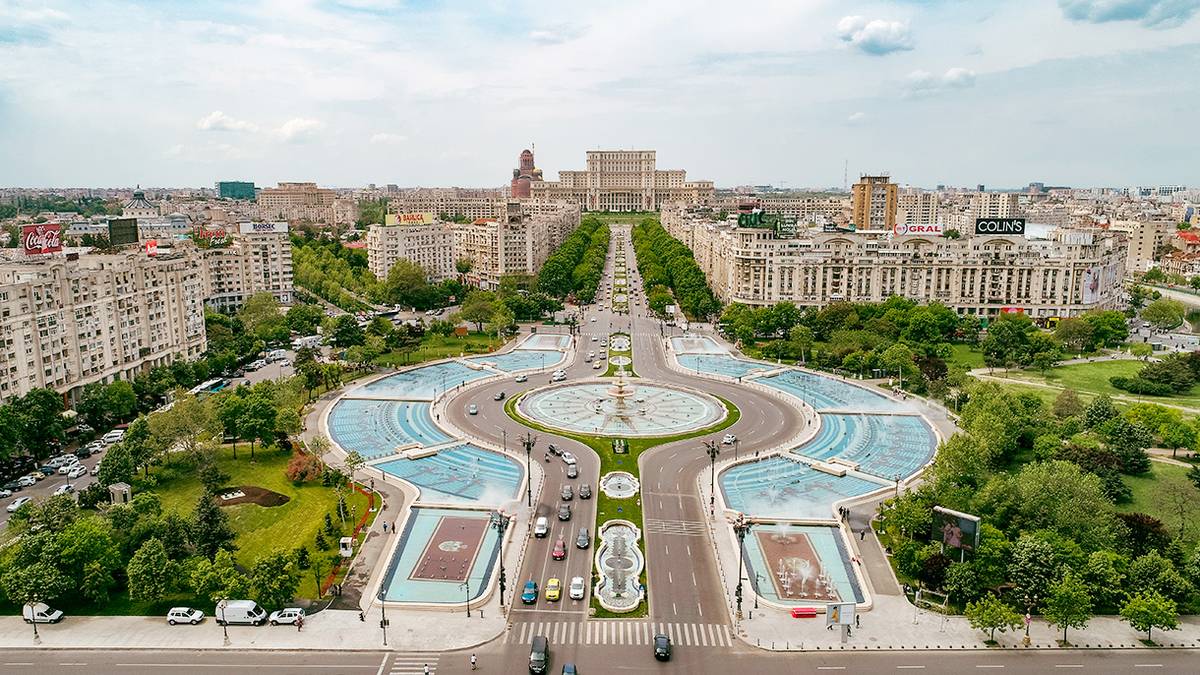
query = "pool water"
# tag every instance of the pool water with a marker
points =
(460, 474)
(376, 428)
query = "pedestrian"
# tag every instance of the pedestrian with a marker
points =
(857, 621)
(426, 669)
(385, 527)
(473, 666)
(862, 536)
(362, 617)
(299, 623)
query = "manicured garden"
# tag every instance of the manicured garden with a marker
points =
(1093, 378)
(434, 347)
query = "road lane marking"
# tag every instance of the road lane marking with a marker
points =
(1147, 665)
(327, 666)
(831, 667)
(670, 579)
(382, 665)
(992, 665)
(1068, 665)
(910, 667)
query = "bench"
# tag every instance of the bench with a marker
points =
(804, 612)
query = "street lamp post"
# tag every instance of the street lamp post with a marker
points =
(741, 527)
(467, 593)
(529, 441)
(736, 440)
(224, 624)
(758, 583)
(500, 522)
(711, 448)
(383, 622)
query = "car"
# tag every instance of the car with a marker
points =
(572, 471)
(64, 489)
(597, 365)
(604, 342)
(560, 550)
(40, 612)
(81, 470)
(541, 527)
(553, 449)
(472, 409)
(559, 376)
(588, 358)
(591, 355)
(530, 594)
(48, 470)
(567, 493)
(85, 429)
(593, 319)
(585, 491)
(522, 378)
(83, 452)
(28, 480)
(662, 647)
(553, 589)
(67, 468)
(18, 503)
(58, 461)
(13, 486)
(567, 457)
(96, 469)
(569, 669)
(577, 588)
(729, 439)
(499, 396)
(189, 615)
(288, 616)
(564, 512)
(594, 338)
(582, 540)
(5, 493)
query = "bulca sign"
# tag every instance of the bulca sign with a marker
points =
(38, 239)
(1000, 226)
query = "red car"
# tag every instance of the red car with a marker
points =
(560, 550)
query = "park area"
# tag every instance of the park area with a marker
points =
(434, 347)
(1093, 378)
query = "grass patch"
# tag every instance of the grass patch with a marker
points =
(612, 370)
(434, 347)
(1149, 496)
(967, 355)
(1093, 378)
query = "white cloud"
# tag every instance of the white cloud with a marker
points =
(299, 129)
(875, 36)
(923, 82)
(1151, 13)
(554, 35)
(856, 117)
(219, 121)
(385, 138)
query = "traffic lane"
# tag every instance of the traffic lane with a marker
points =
(121, 662)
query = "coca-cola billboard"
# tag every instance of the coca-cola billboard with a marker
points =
(44, 238)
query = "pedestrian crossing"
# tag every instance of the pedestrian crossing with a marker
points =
(412, 663)
(683, 528)
(620, 632)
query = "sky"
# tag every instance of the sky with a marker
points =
(792, 93)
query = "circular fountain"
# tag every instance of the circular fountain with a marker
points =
(620, 408)
(619, 484)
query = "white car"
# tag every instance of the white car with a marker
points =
(64, 489)
(96, 469)
(594, 338)
(184, 615)
(568, 458)
(77, 471)
(5, 494)
(27, 481)
(729, 439)
(597, 365)
(522, 378)
(577, 589)
(68, 468)
(18, 503)
(287, 616)
(40, 612)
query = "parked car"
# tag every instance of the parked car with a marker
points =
(240, 611)
(662, 647)
(113, 436)
(582, 540)
(288, 616)
(567, 493)
(29, 480)
(564, 512)
(5, 493)
(530, 594)
(13, 486)
(577, 589)
(472, 409)
(560, 550)
(40, 612)
(189, 615)
(553, 589)
(541, 527)
(81, 470)
(585, 491)
(96, 469)
(64, 489)
(83, 452)
(67, 468)
(18, 503)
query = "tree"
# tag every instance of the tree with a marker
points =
(118, 465)
(353, 462)
(187, 426)
(37, 582)
(407, 284)
(1147, 611)
(1193, 475)
(1067, 404)
(1109, 328)
(219, 579)
(261, 317)
(257, 422)
(151, 573)
(989, 614)
(304, 319)
(345, 332)
(478, 308)
(211, 531)
(274, 580)
(462, 265)
(1176, 435)
(230, 407)
(1099, 411)
(121, 400)
(802, 337)
(1076, 334)
(1069, 605)
(500, 321)
(1164, 314)
(39, 422)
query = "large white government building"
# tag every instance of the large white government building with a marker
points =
(622, 180)
(982, 275)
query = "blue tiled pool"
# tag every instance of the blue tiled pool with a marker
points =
(377, 428)
(546, 341)
(720, 364)
(521, 359)
(422, 384)
(696, 344)
(823, 392)
(784, 488)
(463, 473)
(402, 585)
(831, 552)
(883, 445)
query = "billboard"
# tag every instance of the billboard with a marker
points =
(423, 218)
(913, 229)
(152, 247)
(839, 614)
(955, 529)
(263, 228)
(122, 231)
(39, 239)
(1000, 226)
(1097, 279)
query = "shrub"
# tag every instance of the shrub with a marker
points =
(303, 468)
(1138, 385)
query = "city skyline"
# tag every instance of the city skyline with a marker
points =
(373, 91)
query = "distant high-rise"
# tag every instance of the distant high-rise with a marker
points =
(874, 203)
(235, 189)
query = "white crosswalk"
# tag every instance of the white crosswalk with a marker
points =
(685, 528)
(413, 663)
(619, 632)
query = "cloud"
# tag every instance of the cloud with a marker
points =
(1150, 13)
(219, 121)
(920, 82)
(299, 129)
(384, 138)
(876, 36)
(555, 35)
(857, 117)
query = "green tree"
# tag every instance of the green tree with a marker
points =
(211, 531)
(478, 307)
(185, 428)
(118, 465)
(802, 337)
(218, 579)
(304, 319)
(274, 580)
(407, 284)
(1164, 314)
(1176, 435)
(39, 422)
(1109, 328)
(989, 614)
(1067, 404)
(257, 422)
(33, 583)
(1150, 610)
(1076, 334)
(345, 332)
(1069, 605)
(151, 573)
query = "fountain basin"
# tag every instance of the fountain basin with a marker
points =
(620, 563)
(619, 343)
(619, 484)
(626, 409)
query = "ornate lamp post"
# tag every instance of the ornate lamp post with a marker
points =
(528, 441)
(713, 451)
(741, 527)
(500, 522)
(467, 589)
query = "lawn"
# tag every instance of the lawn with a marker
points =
(434, 347)
(1093, 378)
(967, 355)
(261, 530)
(1149, 496)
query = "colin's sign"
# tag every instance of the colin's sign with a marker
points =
(1000, 226)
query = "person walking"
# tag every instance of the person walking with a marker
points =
(426, 669)
(299, 623)
(473, 665)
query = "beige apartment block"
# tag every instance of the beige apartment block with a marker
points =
(72, 319)
(874, 203)
(915, 206)
(622, 180)
(430, 246)
(298, 201)
(257, 259)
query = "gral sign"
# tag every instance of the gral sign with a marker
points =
(44, 238)
(263, 228)
(911, 229)
(1000, 226)
(408, 219)
(122, 231)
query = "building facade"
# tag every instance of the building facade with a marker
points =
(873, 203)
(257, 259)
(298, 201)
(524, 176)
(235, 189)
(71, 320)
(917, 207)
(622, 180)
(429, 245)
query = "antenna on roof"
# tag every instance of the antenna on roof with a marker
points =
(845, 175)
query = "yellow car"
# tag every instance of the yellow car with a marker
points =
(553, 589)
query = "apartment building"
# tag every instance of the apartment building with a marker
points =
(304, 201)
(1146, 239)
(430, 245)
(874, 203)
(451, 203)
(1074, 272)
(257, 259)
(622, 180)
(915, 206)
(70, 320)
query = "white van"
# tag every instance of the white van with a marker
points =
(240, 611)
(113, 436)
(541, 527)
(40, 612)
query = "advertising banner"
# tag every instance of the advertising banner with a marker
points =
(39, 239)
(122, 231)
(408, 219)
(263, 228)
(910, 229)
(839, 614)
(152, 247)
(1000, 226)
(955, 529)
